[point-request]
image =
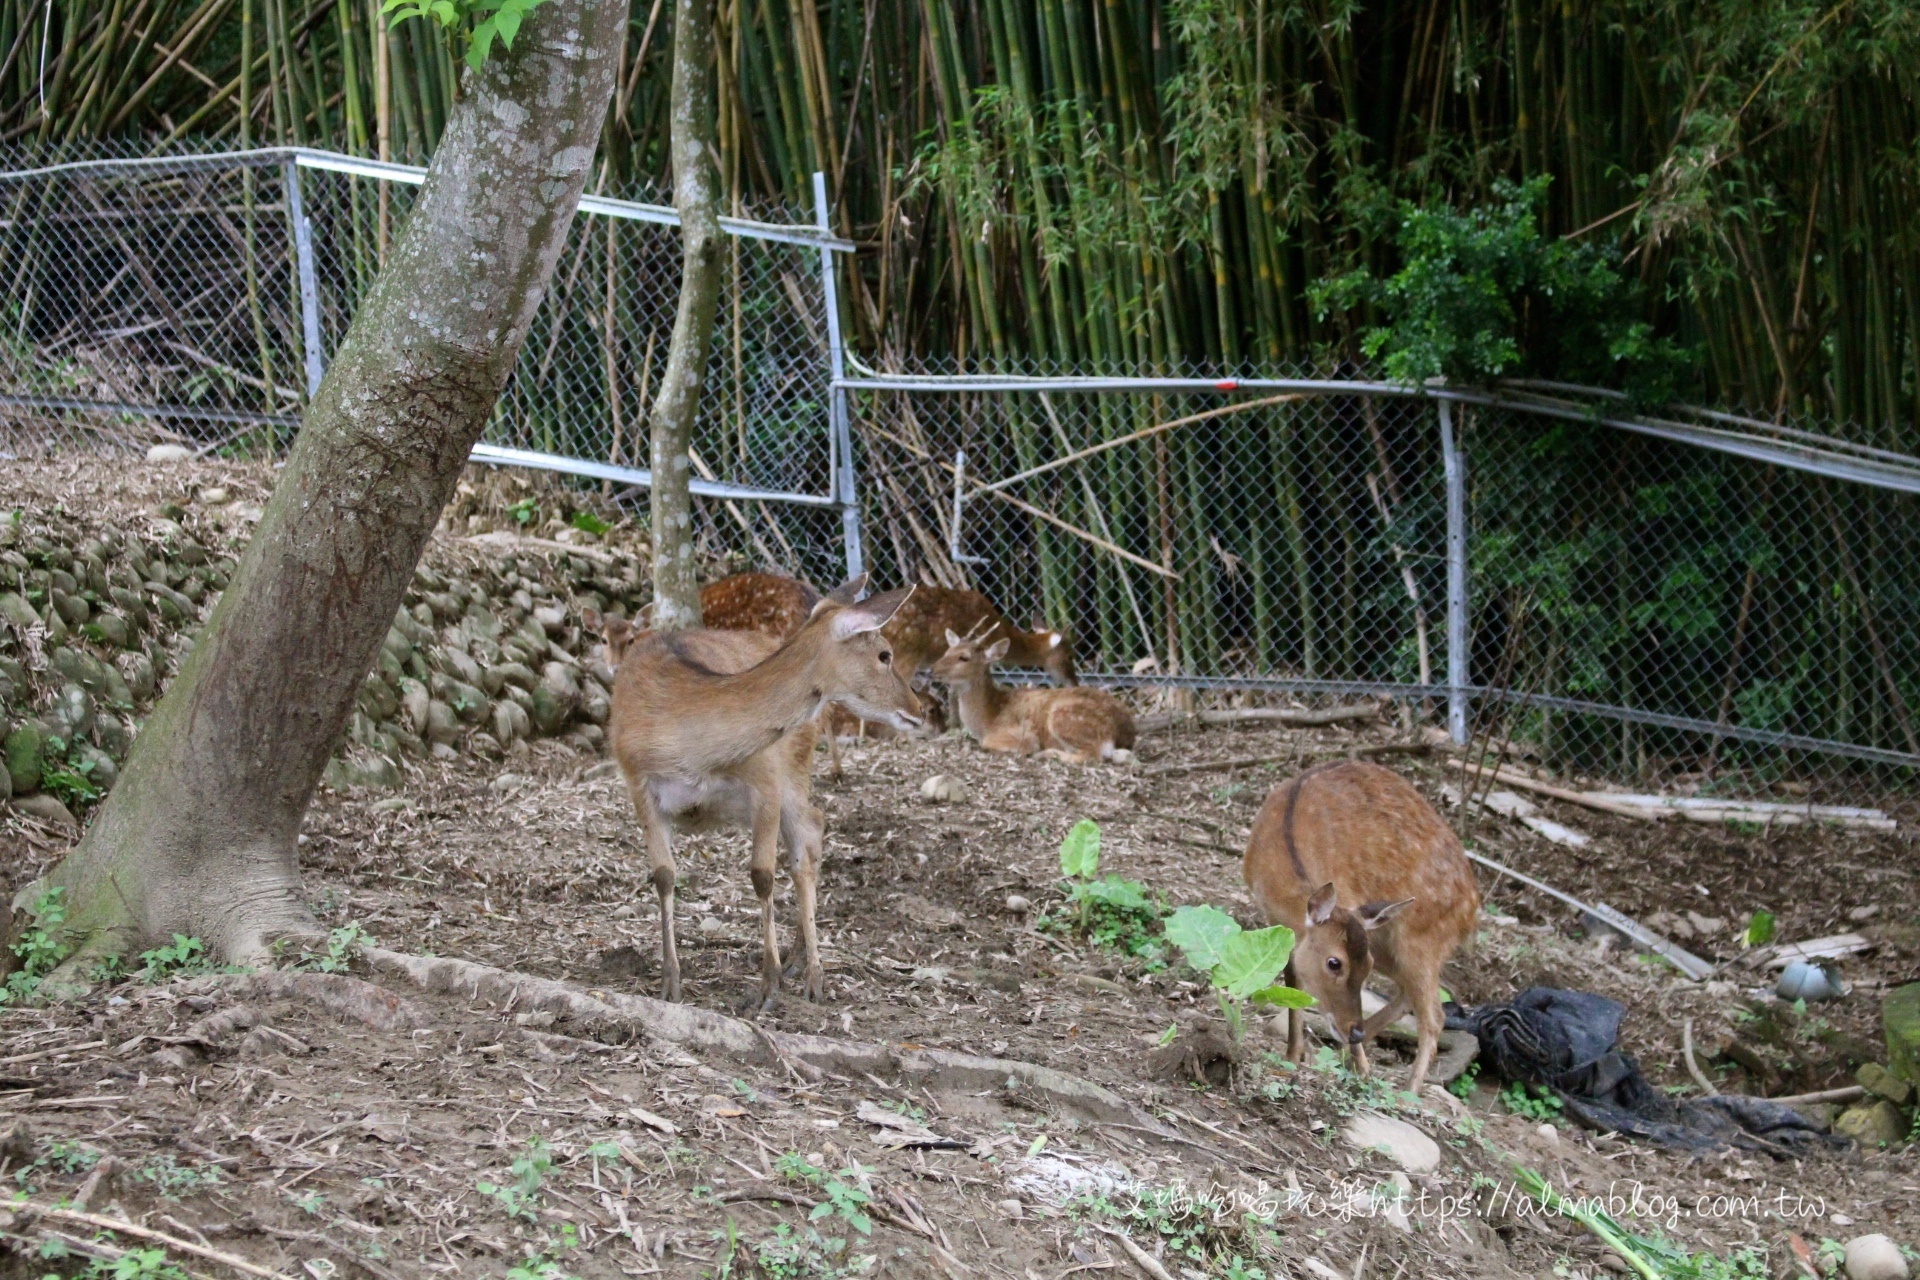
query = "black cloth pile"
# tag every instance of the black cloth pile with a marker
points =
(1567, 1041)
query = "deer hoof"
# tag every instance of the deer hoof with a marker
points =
(816, 984)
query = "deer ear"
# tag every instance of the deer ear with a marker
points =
(590, 619)
(1055, 640)
(870, 614)
(849, 591)
(953, 638)
(1374, 914)
(1320, 906)
(998, 649)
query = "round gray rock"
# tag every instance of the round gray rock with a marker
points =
(169, 453)
(1875, 1257)
(1399, 1141)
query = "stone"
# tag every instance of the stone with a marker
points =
(1900, 1014)
(1706, 926)
(471, 705)
(554, 701)
(1860, 915)
(6, 785)
(1875, 1257)
(414, 700)
(103, 773)
(1877, 1123)
(15, 609)
(137, 670)
(712, 926)
(442, 725)
(944, 788)
(74, 610)
(27, 756)
(511, 723)
(1018, 904)
(378, 699)
(71, 714)
(113, 628)
(595, 703)
(362, 770)
(1399, 1141)
(1876, 1079)
(47, 809)
(169, 453)
(214, 497)
(518, 674)
(458, 665)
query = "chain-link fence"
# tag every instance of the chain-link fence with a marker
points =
(194, 300)
(1705, 600)
(1727, 606)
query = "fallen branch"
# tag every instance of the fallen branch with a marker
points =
(1682, 959)
(1141, 1258)
(1354, 753)
(692, 1027)
(1261, 715)
(1586, 799)
(1847, 1093)
(1693, 1065)
(33, 1208)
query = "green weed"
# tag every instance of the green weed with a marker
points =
(173, 1180)
(1461, 1086)
(520, 1198)
(525, 511)
(807, 1255)
(1110, 912)
(1532, 1101)
(1197, 1231)
(343, 947)
(587, 522)
(844, 1200)
(42, 946)
(183, 957)
(1240, 964)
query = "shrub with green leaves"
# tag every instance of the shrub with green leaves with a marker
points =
(1109, 912)
(843, 1199)
(183, 957)
(521, 1197)
(42, 946)
(1482, 293)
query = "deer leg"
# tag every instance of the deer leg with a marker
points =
(1424, 995)
(766, 858)
(1361, 1067)
(660, 853)
(1394, 1010)
(806, 872)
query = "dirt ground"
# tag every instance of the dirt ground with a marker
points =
(263, 1125)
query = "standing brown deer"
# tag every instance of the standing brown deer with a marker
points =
(1356, 862)
(1081, 725)
(716, 729)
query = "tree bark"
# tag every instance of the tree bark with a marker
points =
(676, 584)
(198, 837)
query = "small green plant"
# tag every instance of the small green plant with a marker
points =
(183, 956)
(42, 946)
(807, 1255)
(71, 783)
(1110, 912)
(844, 1200)
(1461, 1086)
(1347, 1091)
(537, 1266)
(343, 946)
(1759, 929)
(1532, 1101)
(1240, 964)
(587, 522)
(173, 1180)
(524, 512)
(482, 21)
(1197, 1230)
(311, 1203)
(520, 1198)
(1652, 1257)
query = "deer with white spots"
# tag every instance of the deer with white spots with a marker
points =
(1356, 862)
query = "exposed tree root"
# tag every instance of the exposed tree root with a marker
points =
(601, 1012)
(348, 996)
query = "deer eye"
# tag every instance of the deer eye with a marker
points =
(1333, 964)
(886, 657)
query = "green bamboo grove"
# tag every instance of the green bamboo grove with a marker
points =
(1153, 183)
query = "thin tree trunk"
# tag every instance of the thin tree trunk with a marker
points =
(676, 585)
(198, 837)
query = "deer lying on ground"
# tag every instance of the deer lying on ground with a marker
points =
(1357, 863)
(1080, 725)
(716, 728)
(920, 629)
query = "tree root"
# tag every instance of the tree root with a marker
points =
(348, 996)
(619, 1013)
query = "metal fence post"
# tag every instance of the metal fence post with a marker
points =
(309, 281)
(842, 429)
(1457, 602)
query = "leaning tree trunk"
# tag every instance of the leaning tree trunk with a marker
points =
(676, 585)
(198, 837)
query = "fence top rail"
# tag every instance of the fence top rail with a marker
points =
(413, 175)
(1794, 449)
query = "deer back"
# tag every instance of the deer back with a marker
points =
(919, 631)
(765, 602)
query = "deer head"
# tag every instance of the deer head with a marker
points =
(966, 659)
(1331, 959)
(854, 667)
